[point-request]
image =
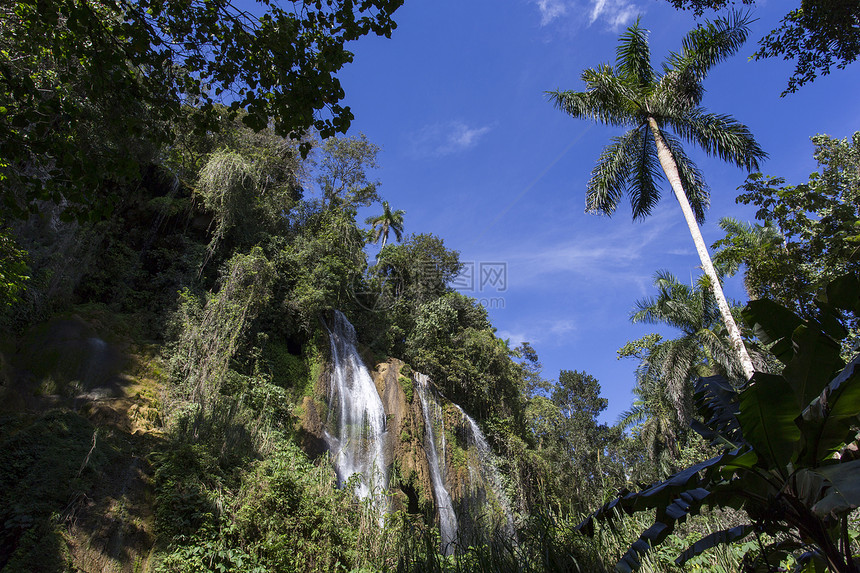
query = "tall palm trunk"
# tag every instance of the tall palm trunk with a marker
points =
(667, 162)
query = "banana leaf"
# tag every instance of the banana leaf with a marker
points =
(829, 420)
(766, 416)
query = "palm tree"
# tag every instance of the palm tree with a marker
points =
(390, 220)
(654, 422)
(701, 350)
(667, 368)
(763, 250)
(661, 110)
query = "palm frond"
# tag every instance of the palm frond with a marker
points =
(692, 179)
(678, 360)
(752, 235)
(635, 416)
(702, 49)
(741, 238)
(609, 177)
(633, 57)
(720, 135)
(642, 189)
(606, 99)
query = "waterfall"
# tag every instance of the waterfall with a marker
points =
(489, 471)
(357, 445)
(447, 517)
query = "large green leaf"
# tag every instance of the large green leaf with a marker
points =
(843, 493)
(773, 324)
(659, 495)
(829, 420)
(717, 402)
(724, 536)
(687, 503)
(767, 413)
(816, 360)
(844, 293)
(829, 320)
(811, 562)
(806, 485)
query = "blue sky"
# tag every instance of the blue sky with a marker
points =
(475, 154)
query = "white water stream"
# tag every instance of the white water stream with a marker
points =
(489, 471)
(433, 413)
(357, 441)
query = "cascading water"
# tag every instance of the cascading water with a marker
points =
(447, 517)
(490, 472)
(357, 445)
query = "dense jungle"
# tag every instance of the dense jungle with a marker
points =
(209, 361)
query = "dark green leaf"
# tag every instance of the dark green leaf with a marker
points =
(725, 536)
(717, 402)
(774, 324)
(843, 493)
(829, 421)
(816, 360)
(767, 413)
(844, 293)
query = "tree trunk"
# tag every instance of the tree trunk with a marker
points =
(667, 162)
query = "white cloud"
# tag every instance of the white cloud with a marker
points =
(561, 327)
(550, 10)
(446, 138)
(515, 338)
(621, 252)
(615, 13)
(682, 252)
(549, 332)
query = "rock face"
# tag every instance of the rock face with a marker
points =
(437, 462)
(410, 480)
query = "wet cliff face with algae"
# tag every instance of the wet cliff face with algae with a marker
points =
(438, 464)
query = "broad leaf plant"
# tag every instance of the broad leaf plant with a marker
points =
(790, 449)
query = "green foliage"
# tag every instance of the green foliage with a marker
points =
(225, 504)
(785, 464)
(571, 442)
(817, 223)
(244, 197)
(454, 344)
(639, 348)
(342, 176)
(209, 336)
(47, 466)
(298, 517)
(408, 386)
(819, 34)
(287, 370)
(14, 272)
(383, 224)
(86, 85)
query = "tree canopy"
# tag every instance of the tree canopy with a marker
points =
(819, 34)
(809, 231)
(87, 86)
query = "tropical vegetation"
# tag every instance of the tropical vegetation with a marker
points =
(182, 220)
(660, 111)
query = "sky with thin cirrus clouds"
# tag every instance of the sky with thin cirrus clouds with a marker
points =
(474, 153)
